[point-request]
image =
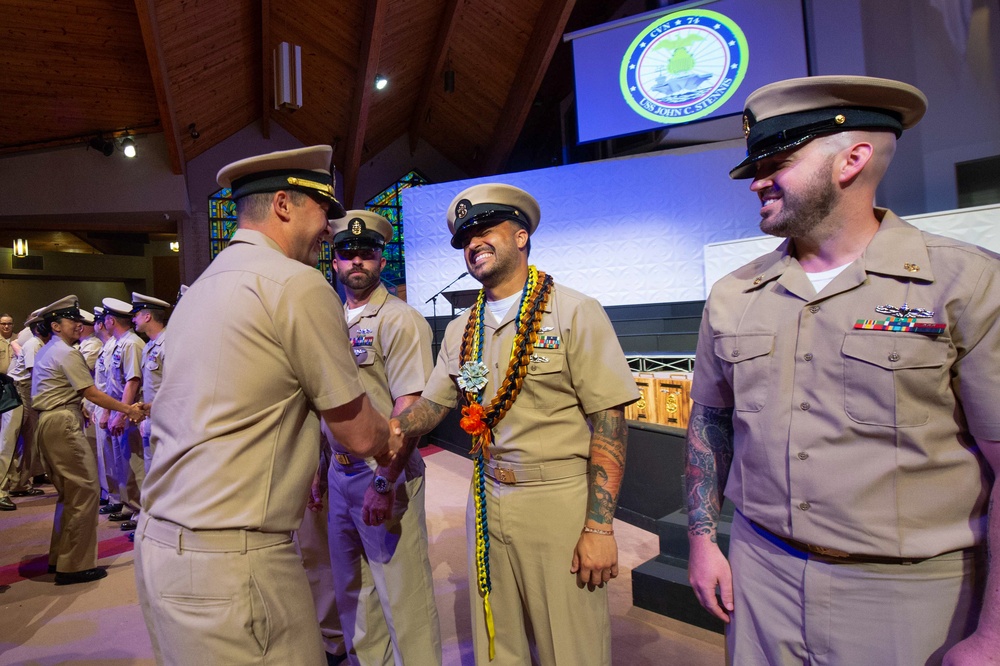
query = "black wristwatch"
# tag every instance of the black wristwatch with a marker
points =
(381, 484)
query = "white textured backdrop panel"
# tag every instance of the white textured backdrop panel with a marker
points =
(980, 226)
(623, 231)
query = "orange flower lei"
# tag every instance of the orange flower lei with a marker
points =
(472, 419)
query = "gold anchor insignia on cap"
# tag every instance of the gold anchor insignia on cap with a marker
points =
(746, 125)
(461, 210)
(357, 226)
(913, 268)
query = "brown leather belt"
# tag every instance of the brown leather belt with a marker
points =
(832, 553)
(512, 473)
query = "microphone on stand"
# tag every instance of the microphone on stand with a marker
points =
(434, 298)
(446, 286)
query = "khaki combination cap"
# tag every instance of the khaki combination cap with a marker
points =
(87, 317)
(303, 169)
(489, 204)
(34, 318)
(361, 229)
(786, 114)
(117, 307)
(67, 307)
(144, 302)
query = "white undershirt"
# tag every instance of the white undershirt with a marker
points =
(823, 278)
(501, 307)
(352, 312)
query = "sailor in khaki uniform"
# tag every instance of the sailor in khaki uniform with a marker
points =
(542, 383)
(236, 428)
(845, 401)
(28, 464)
(10, 421)
(105, 451)
(125, 384)
(149, 316)
(381, 571)
(59, 381)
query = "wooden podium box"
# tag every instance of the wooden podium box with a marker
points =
(673, 400)
(644, 409)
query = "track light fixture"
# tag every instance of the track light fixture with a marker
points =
(102, 145)
(128, 146)
(381, 82)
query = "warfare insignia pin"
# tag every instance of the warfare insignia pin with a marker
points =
(903, 311)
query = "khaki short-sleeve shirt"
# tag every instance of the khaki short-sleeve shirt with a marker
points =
(578, 368)
(153, 358)
(391, 343)
(91, 347)
(60, 374)
(125, 364)
(256, 346)
(103, 363)
(853, 438)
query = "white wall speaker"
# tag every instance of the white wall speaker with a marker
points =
(287, 76)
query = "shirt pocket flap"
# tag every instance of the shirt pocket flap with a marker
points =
(895, 351)
(743, 347)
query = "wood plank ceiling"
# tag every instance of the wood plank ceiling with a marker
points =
(73, 69)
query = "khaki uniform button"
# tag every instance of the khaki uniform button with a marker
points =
(808, 357)
(805, 406)
(802, 455)
(893, 357)
(736, 353)
(814, 309)
(805, 506)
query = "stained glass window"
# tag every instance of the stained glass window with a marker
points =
(389, 204)
(222, 226)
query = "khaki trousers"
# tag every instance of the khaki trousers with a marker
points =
(10, 427)
(382, 575)
(106, 452)
(534, 528)
(73, 470)
(224, 597)
(797, 608)
(130, 468)
(27, 461)
(311, 540)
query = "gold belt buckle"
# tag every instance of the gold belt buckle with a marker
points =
(504, 475)
(342, 458)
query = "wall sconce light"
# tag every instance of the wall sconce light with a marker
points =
(381, 82)
(20, 247)
(449, 80)
(102, 145)
(128, 147)
(175, 246)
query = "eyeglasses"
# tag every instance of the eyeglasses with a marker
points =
(366, 254)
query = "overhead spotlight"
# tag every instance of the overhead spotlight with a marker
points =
(128, 146)
(193, 131)
(102, 145)
(449, 80)
(175, 246)
(20, 247)
(381, 82)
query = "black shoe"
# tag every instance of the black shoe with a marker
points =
(104, 501)
(131, 537)
(110, 508)
(30, 492)
(120, 516)
(52, 568)
(127, 525)
(40, 480)
(6, 504)
(85, 576)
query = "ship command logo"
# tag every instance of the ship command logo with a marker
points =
(684, 66)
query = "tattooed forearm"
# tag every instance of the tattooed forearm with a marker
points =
(421, 417)
(709, 456)
(607, 463)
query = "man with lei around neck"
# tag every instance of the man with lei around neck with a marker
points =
(542, 383)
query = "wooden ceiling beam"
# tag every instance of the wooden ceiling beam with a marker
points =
(545, 37)
(149, 28)
(432, 78)
(267, 67)
(371, 44)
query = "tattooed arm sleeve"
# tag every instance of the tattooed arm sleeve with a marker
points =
(421, 417)
(607, 465)
(709, 455)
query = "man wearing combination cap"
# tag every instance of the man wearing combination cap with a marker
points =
(149, 316)
(105, 451)
(845, 401)
(27, 464)
(60, 380)
(236, 427)
(125, 384)
(542, 383)
(377, 525)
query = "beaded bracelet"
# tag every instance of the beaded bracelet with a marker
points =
(592, 530)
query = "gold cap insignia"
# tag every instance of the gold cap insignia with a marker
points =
(357, 226)
(746, 125)
(461, 210)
